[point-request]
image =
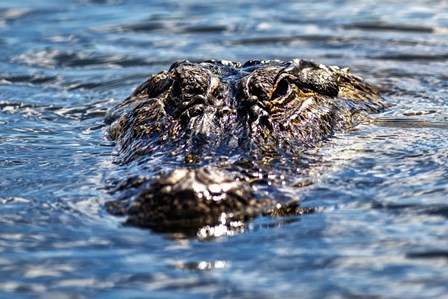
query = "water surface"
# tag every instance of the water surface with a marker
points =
(382, 187)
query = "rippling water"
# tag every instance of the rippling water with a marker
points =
(383, 187)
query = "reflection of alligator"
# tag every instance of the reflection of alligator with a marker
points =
(216, 143)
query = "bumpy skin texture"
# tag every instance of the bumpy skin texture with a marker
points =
(207, 135)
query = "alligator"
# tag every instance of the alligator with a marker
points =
(209, 145)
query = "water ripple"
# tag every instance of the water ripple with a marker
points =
(51, 58)
(8, 15)
(54, 112)
(170, 26)
(383, 26)
(381, 231)
(412, 57)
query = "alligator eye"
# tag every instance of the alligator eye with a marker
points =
(177, 89)
(282, 88)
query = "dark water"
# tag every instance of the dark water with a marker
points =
(383, 187)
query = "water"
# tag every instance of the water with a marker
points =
(382, 187)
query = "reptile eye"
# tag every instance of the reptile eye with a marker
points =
(177, 89)
(282, 89)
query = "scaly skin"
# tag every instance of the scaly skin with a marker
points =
(209, 136)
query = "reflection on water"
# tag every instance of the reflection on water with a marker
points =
(382, 227)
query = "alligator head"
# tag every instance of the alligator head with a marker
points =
(201, 130)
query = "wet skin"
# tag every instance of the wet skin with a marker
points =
(216, 142)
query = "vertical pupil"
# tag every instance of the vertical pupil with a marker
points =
(282, 88)
(177, 89)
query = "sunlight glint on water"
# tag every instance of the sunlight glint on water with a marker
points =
(382, 187)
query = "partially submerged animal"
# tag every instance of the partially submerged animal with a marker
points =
(215, 143)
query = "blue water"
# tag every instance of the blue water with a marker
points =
(382, 188)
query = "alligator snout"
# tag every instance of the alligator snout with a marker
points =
(194, 198)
